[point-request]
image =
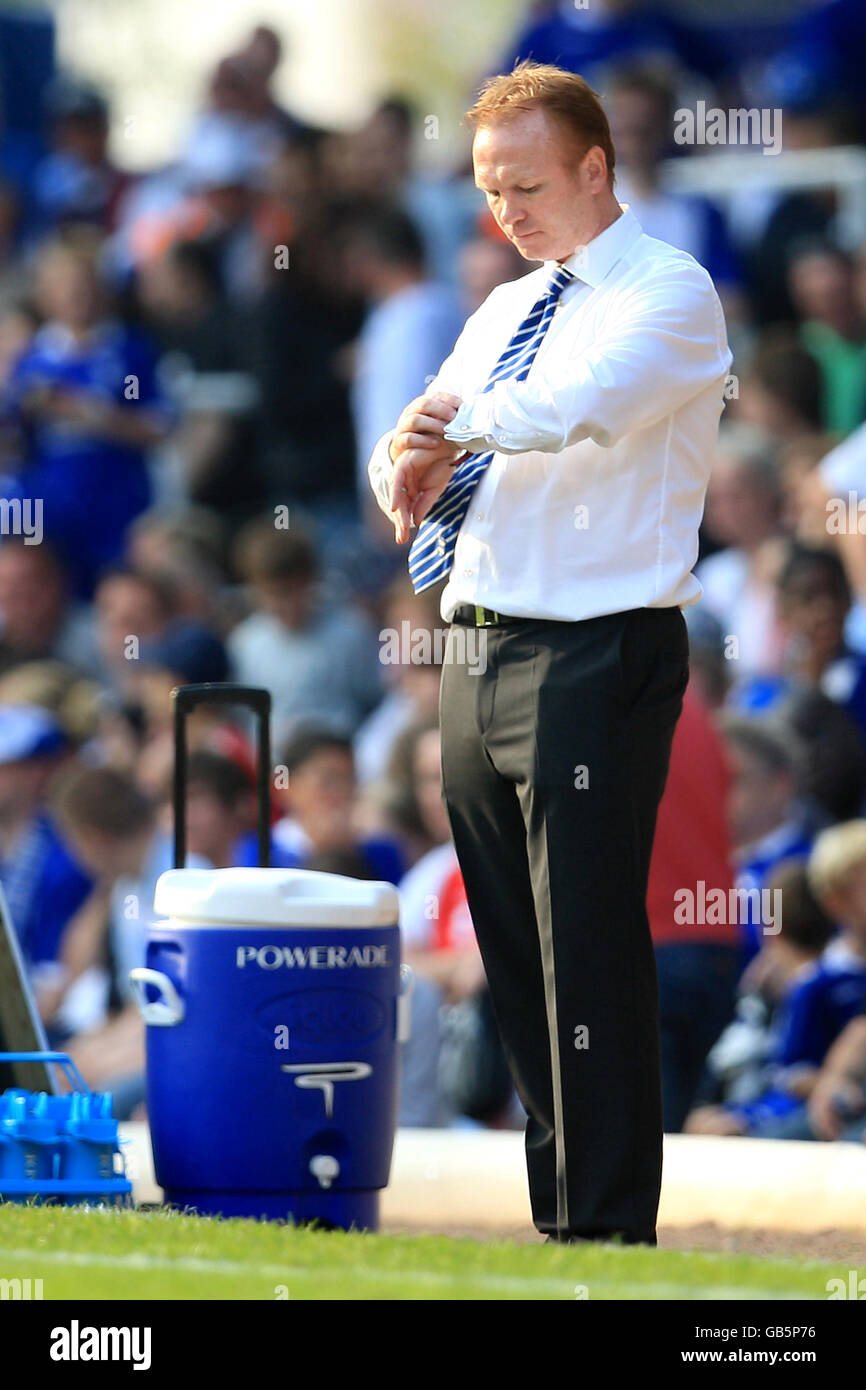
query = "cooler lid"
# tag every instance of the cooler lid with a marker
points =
(274, 898)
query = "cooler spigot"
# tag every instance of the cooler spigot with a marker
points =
(324, 1168)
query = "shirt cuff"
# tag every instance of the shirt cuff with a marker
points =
(379, 471)
(472, 426)
(510, 418)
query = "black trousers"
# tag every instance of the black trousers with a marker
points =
(556, 739)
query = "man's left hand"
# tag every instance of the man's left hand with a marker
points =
(417, 482)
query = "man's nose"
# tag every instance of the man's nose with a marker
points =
(511, 216)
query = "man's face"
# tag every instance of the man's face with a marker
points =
(637, 122)
(813, 609)
(759, 800)
(739, 511)
(125, 607)
(542, 195)
(68, 290)
(290, 601)
(321, 796)
(107, 857)
(822, 287)
(31, 597)
(211, 825)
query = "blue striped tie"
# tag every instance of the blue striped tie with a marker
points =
(432, 553)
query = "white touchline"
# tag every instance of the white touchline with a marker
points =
(193, 1265)
(564, 1286)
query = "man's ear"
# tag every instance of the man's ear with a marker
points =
(594, 167)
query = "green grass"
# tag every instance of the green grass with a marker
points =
(105, 1254)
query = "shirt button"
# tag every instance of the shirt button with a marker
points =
(479, 516)
(468, 574)
(503, 439)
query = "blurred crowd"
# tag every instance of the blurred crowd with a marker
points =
(195, 364)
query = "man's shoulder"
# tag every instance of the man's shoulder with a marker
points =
(654, 277)
(665, 261)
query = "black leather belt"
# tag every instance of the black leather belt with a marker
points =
(473, 615)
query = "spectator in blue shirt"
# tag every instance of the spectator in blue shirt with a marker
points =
(86, 393)
(318, 658)
(319, 796)
(38, 619)
(411, 326)
(43, 884)
(813, 600)
(767, 821)
(827, 995)
(113, 829)
(219, 808)
(76, 181)
(740, 1067)
(822, 62)
(823, 1001)
(588, 38)
(641, 108)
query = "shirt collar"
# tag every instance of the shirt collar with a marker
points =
(592, 262)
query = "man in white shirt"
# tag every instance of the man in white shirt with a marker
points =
(411, 324)
(574, 553)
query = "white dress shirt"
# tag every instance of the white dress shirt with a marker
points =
(592, 501)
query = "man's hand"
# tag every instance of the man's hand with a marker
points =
(713, 1119)
(423, 460)
(418, 480)
(834, 1102)
(422, 424)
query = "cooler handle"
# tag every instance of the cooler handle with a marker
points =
(404, 1003)
(160, 1013)
(185, 698)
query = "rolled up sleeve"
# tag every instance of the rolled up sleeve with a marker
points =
(663, 345)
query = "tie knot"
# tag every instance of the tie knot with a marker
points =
(558, 281)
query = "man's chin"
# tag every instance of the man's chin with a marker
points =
(531, 249)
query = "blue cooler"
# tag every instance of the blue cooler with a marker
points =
(274, 1006)
(272, 999)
